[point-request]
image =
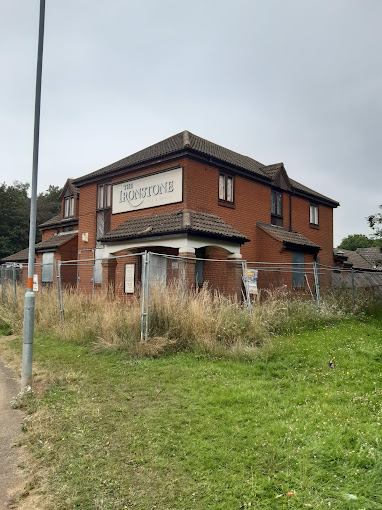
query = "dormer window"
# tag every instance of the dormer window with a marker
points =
(69, 207)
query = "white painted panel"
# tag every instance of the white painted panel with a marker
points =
(152, 191)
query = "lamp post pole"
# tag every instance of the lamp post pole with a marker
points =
(29, 300)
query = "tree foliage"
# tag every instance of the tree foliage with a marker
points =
(14, 218)
(14, 214)
(48, 205)
(354, 241)
(375, 222)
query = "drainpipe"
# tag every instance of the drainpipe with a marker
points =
(290, 210)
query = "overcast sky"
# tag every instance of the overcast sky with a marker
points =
(298, 81)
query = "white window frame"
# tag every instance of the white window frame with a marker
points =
(69, 207)
(226, 188)
(313, 214)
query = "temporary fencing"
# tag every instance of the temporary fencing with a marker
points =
(135, 275)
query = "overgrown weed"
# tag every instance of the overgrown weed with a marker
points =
(203, 321)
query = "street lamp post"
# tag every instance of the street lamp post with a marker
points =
(29, 300)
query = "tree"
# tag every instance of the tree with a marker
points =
(15, 211)
(354, 241)
(14, 218)
(48, 205)
(375, 222)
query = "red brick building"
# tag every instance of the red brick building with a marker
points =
(188, 196)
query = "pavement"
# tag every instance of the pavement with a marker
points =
(10, 429)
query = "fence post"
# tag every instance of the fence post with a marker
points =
(352, 286)
(14, 285)
(147, 294)
(143, 293)
(317, 284)
(245, 282)
(3, 283)
(59, 290)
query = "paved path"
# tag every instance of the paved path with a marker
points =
(10, 429)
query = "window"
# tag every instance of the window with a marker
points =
(313, 214)
(69, 207)
(104, 196)
(276, 208)
(276, 203)
(226, 188)
(103, 209)
(298, 269)
(47, 267)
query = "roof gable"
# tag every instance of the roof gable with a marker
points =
(278, 175)
(69, 189)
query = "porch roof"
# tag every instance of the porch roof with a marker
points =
(186, 222)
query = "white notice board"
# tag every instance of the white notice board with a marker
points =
(129, 278)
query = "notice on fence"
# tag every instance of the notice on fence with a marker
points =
(252, 281)
(35, 283)
(129, 278)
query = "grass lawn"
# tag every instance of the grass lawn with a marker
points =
(192, 432)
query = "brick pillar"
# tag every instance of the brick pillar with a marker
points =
(108, 269)
(235, 276)
(188, 266)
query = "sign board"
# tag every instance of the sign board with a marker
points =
(152, 191)
(35, 283)
(252, 281)
(129, 278)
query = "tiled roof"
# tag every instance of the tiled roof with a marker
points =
(57, 221)
(372, 255)
(188, 141)
(272, 170)
(300, 187)
(190, 222)
(55, 241)
(53, 221)
(51, 243)
(287, 236)
(20, 256)
(363, 258)
(178, 142)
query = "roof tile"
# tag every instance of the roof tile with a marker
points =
(178, 222)
(287, 236)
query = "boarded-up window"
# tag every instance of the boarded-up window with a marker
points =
(97, 275)
(158, 269)
(298, 269)
(199, 272)
(47, 267)
(103, 222)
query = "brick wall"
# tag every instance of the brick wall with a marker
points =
(200, 193)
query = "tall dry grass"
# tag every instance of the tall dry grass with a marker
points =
(203, 321)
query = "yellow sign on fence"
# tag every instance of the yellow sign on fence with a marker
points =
(252, 281)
